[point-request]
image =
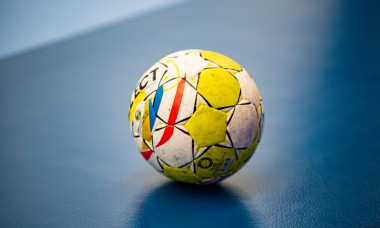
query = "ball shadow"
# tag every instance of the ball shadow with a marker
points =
(182, 205)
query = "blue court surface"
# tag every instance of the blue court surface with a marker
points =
(68, 159)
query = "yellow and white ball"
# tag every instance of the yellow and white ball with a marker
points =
(196, 116)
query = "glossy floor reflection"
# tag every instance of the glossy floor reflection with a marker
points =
(181, 205)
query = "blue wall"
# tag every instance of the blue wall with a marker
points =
(26, 25)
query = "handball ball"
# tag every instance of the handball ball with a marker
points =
(196, 116)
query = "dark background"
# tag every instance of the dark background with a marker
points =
(67, 157)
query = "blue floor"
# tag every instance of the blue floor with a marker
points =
(67, 157)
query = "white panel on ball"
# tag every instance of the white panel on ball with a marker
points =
(248, 87)
(177, 151)
(242, 125)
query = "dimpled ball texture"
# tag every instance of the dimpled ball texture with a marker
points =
(196, 116)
